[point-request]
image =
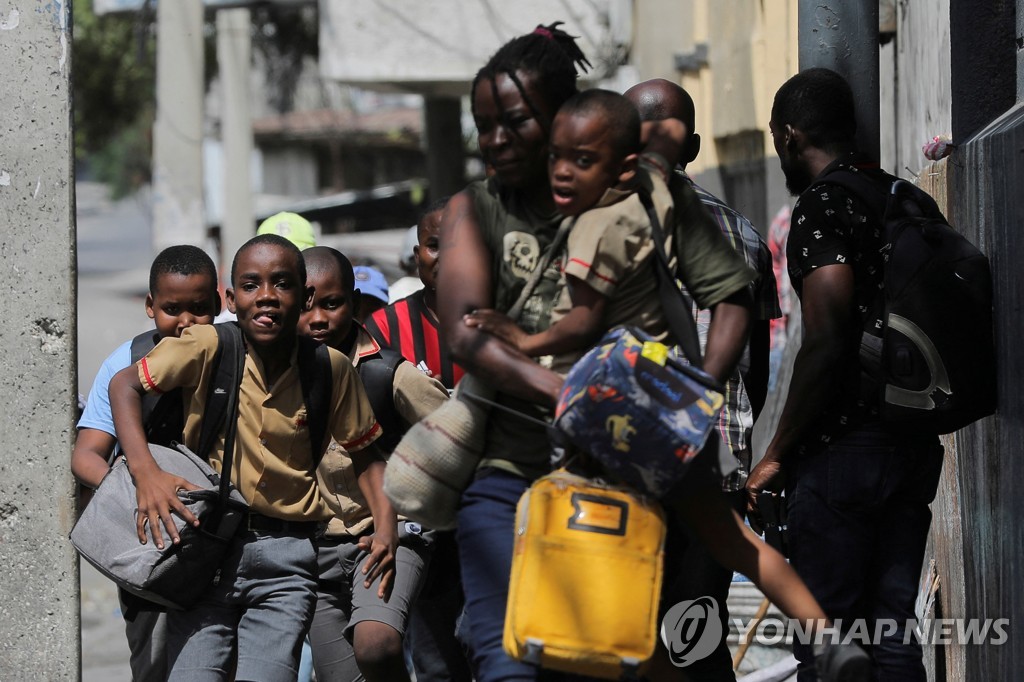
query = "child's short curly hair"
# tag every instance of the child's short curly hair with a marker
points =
(183, 259)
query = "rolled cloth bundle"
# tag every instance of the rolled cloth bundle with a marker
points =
(436, 459)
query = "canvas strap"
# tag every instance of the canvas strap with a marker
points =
(677, 311)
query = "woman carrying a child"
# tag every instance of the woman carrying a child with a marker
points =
(498, 237)
(494, 236)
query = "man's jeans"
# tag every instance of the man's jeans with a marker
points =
(858, 524)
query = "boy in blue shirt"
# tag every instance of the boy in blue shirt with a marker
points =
(182, 292)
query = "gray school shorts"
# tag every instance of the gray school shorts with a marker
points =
(341, 580)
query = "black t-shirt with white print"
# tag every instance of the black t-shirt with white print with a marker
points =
(832, 226)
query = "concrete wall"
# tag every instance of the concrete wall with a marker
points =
(968, 78)
(955, 66)
(915, 85)
(662, 30)
(39, 579)
(751, 48)
(946, 542)
(987, 174)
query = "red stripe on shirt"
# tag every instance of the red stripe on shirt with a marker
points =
(359, 442)
(149, 378)
(590, 269)
(380, 320)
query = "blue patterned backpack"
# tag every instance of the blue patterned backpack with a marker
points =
(636, 408)
(634, 404)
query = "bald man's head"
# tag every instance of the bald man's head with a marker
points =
(659, 99)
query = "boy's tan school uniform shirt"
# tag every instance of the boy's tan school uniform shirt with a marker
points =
(272, 466)
(610, 247)
(415, 396)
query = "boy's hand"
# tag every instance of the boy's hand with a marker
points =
(496, 324)
(156, 493)
(666, 137)
(382, 546)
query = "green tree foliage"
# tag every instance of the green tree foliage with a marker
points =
(114, 61)
(284, 36)
(114, 80)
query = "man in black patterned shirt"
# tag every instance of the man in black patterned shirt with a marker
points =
(858, 490)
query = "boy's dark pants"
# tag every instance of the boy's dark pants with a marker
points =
(858, 524)
(437, 655)
(145, 626)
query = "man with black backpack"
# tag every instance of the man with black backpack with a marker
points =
(858, 487)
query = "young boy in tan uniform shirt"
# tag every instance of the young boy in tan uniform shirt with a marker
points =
(359, 623)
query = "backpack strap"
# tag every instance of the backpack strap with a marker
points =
(316, 381)
(676, 307)
(162, 414)
(378, 376)
(899, 199)
(222, 393)
(141, 345)
(222, 408)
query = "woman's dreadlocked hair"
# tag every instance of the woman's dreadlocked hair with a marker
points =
(550, 54)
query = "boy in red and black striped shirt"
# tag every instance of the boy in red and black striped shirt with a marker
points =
(409, 325)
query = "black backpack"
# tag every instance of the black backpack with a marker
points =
(378, 376)
(932, 365)
(163, 417)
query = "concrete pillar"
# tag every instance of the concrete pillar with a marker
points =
(39, 614)
(843, 36)
(445, 147)
(234, 49)
(178, 131)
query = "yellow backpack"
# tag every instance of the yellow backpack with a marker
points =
(586, 577)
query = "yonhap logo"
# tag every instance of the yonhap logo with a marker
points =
(691, 630)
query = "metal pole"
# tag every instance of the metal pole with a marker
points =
(234, 47)
(178, 216)
(843, 36)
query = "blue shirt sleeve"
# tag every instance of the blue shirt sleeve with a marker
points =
(97, 414)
